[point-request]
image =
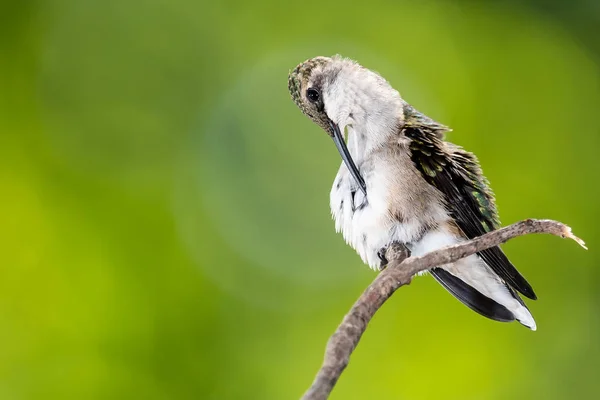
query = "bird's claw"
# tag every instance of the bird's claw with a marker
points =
(394, 251)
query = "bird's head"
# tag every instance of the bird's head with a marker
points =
(336, 92)
(306, 83)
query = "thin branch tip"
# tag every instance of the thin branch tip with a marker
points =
(569, 235)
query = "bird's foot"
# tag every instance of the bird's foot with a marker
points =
(394, 251)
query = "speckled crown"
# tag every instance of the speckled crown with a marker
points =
(298, 78)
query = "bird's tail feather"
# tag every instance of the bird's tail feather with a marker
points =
(498, 303)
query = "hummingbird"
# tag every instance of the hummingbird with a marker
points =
(400, 181)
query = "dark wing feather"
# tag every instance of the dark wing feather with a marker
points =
(456, 174)
(471, 297)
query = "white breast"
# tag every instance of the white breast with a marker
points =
(367, 224)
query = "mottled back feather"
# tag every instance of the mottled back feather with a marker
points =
(456, 173)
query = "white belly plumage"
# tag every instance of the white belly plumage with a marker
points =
(365, 223)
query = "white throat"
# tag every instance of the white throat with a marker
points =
(372, 133)
(366, 107)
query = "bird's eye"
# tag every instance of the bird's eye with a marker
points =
(312, 95)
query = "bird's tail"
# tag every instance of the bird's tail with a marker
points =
(473, 283)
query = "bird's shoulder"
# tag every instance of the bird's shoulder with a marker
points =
(455, 172)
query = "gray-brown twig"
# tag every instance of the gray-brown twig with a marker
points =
(399, 272)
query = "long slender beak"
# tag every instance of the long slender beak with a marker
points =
(338, 139)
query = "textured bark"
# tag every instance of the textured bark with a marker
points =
(399, 272)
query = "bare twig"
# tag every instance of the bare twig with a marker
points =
(399, 272)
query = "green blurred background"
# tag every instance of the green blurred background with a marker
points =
(165, 230)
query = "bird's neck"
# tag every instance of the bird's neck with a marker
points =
(368, 134)
(367, 137)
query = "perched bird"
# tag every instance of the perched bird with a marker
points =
(401, 182)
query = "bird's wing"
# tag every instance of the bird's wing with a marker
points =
(456, 173)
